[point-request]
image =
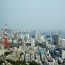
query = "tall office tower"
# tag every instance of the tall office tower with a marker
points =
(63, 43)
(55, 39)
(38, 36)
(6, 45)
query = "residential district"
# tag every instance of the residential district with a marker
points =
(31, 47)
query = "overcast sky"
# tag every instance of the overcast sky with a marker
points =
(33, 14)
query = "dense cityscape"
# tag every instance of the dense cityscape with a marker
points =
(31, 47)
(32, 32)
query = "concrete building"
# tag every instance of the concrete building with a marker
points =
(15, 35)
(38, 36)
(63, 54)
(49, 38)
(28, 36)
(63, 43)
(32, 42)
(55, 40)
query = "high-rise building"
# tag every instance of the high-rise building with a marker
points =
(63, 43)
(38, 36)
(32, 42)
(55, 39)
(63, 54)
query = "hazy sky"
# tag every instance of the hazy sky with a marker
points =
(33, 14)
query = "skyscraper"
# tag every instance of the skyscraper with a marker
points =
(55, 39)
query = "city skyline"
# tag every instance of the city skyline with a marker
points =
(36, 14)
